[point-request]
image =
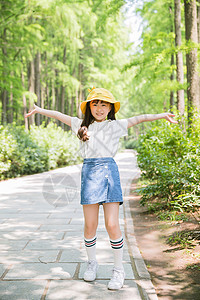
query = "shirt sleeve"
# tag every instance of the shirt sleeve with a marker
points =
(75, 124)
(121, 127)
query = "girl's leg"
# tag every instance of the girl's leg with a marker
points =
(111, 215)
(91, 214)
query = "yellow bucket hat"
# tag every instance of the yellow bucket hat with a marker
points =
(100, 94)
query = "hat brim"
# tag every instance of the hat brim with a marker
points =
(84, 104)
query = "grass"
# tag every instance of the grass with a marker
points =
(172, 216)
(195, 267)
(184, 239)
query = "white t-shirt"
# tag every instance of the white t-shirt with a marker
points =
(104, 137)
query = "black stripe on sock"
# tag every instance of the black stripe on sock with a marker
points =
(88, 241)
(118, 247)
(116, 242)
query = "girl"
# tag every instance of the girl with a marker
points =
(99, 133)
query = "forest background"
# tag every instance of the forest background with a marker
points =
(53, 51)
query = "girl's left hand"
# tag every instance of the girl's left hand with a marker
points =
(167, 116)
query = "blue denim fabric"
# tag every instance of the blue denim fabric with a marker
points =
(100, 181)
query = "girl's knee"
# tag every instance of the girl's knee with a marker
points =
(90, 229)
(112, 227)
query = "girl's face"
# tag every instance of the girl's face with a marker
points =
(100, 109)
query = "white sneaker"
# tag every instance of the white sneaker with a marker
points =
(91, 271)
(117, 280)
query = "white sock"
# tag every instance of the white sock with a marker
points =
(117, 246)
(90, 245)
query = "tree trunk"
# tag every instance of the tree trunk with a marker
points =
(171, 99)
(10, 114)
(67, 104)
(72, 106)
(42, 98)
(198, 20)
(57, 93)
(78, 105)
(37, 85)
(53, 96)
(80, 72)
(191, 58)
(4, 102)
(198, 33)
(4, 91)
(63, 90)
(24, 102)
(31, 84)
(179, 57)
(48, 104)
(172, 79)
(42, 85)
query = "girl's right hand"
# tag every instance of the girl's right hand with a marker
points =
(32, 112)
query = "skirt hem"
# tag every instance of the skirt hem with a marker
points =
(104, 201)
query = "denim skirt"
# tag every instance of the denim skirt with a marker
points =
(100, 181)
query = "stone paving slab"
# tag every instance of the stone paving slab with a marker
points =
(35, 221)
(66, 228)
(77, 222)
(18, 227)
(80, 290)
(57, 228)
(51, 244)
(71, 213)
(27, 256)
(22, 290)
(2, 270)
(73, 254)
(21, 235)
(41, 271)
(8, 211)
(12, 244)
(20, 216)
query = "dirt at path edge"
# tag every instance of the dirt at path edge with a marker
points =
(167, 265)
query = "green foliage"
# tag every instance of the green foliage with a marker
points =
(170, 159)
(195, 267)
(39, 150)
(8, 146)
(172, 216)
(184, 239)
(61, 146)
(130, 143)
(149, 68)
(21, 154)
(80, 44)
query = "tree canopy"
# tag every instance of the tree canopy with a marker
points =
(53, 51)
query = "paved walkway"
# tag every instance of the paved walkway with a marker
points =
(42, 253)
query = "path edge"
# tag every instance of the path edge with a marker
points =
(143, 278)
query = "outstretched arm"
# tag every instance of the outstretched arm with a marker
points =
(50, 113)
(150, 117)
